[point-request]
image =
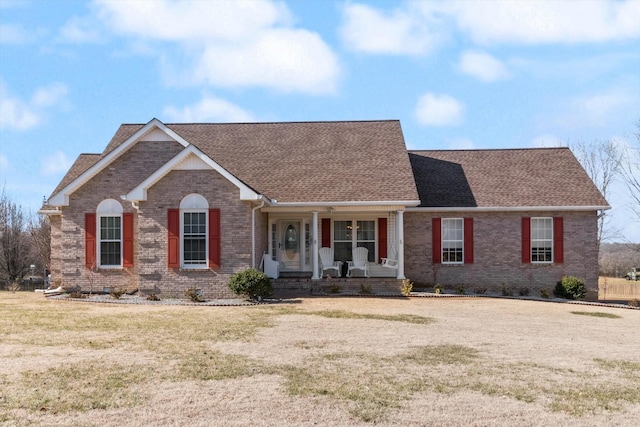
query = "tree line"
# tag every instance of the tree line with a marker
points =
(25, 241)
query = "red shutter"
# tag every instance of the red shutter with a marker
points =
(558, 240)
(468, 240)
(326, 232)
(436, 240)
(382, 238)
(90, 240)
(173, 227)
(526, 240)
(214, 238)
(127, 239)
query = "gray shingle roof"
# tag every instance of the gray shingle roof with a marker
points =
(503, 178)
(303, 161)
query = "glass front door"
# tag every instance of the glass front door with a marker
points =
(289, 245)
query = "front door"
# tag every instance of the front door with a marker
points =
(290, 244)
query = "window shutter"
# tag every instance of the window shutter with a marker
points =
(326, 232)
(173, 228)
(127, 239)
(90, 240)
(436, 240)
(558, 240)
(468, 240)
(214, 238)
(526, 240)
(382, 238)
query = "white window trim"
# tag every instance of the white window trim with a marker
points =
(354, 234)
(194, 203)
(442, 240)
(108, 208)
(531, 240)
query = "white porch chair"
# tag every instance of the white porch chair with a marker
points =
(327, 262)
(360, 261)
(392, 260)
(270, 267)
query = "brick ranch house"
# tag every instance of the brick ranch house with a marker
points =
(172, 206)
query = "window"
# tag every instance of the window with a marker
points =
(541, 239)
(452, 240)
(193, 217)
(109, 233)
(194, 236)
(345, 240)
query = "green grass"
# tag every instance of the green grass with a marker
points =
(597, 314)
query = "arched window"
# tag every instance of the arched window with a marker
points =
(194, 234)
(109, 248)
(193, 218)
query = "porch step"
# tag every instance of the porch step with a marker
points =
(341, 285)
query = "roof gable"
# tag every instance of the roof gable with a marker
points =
(512, 178)
(82, 170)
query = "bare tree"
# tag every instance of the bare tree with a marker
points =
(602, 160)
(631, 172)
(40, 232)
(15, 242)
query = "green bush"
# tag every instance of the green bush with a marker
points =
(570, 287)
(252, 283)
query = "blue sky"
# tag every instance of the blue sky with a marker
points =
(457, 74)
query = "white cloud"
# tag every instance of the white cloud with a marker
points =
(80, 30)
(462, 144)
(228, 43)
(209, 109)
(547, 140)
(439, 110)
(482, 66)
(558, 21)
(284, 59)
(17, 114)
(598, 107)
(13, 34)
(404, 30)
(4, 163)
(57, 163)
(49, 95)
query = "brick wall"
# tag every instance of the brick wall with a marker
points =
(497, 252)
(150, 226)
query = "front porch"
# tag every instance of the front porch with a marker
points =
(296, 237)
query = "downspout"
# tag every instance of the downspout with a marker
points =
(253, 232)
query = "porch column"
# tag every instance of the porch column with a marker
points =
(314, 245)
(400, 237)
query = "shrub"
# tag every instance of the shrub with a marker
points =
(153, 297)
(570, 287)
(634, 302)
(438, 289)
(544, 293)
(252, 283)
(460, 290)
(480, 290)
(193, 294)
(506, 291)
(524, 292)
(407, 287)
(334, 288)
(365, 289)
(116, 293)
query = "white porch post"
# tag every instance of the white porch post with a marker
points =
(314, 245)
(400, 236)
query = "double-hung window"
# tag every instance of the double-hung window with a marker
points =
(452, 240)
(109, 234)
(193, 216)
(345, 240)
(541, 240)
